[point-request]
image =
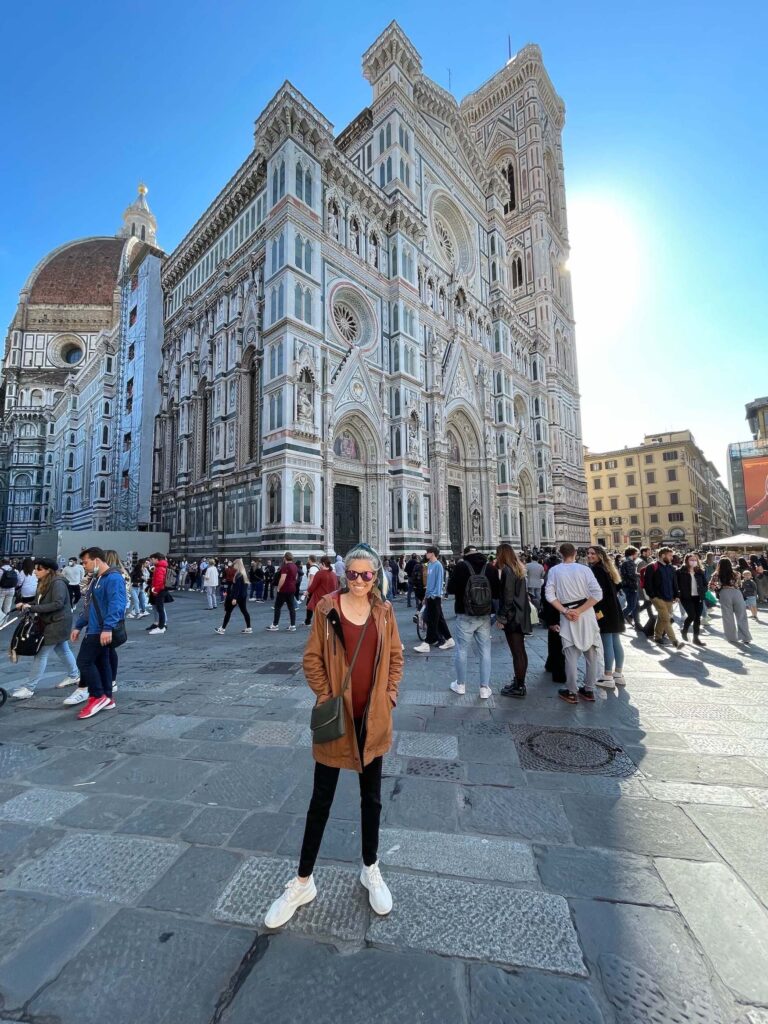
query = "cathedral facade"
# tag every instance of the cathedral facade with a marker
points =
(370, 335)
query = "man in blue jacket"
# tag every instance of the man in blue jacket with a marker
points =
(103, 610)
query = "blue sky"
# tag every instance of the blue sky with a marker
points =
(665, 156)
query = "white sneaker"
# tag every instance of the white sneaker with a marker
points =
(606, 683)
(458, 687)
(295, 896)
(143, 615)
(291, 629)
(23, 693)
(219, 630)
(114, 687)
(273, 629)
(68, 681)
(248, 630)
(379, 895)
(485, 692)
(132, 615)
(447, 645)
(80, 696)
(618, 678)
(423, 648)
(156, 629)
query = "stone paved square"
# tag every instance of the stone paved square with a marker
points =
(444, 854)
(39, 806)
(418, 744)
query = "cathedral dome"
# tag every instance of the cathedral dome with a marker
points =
(81, 273)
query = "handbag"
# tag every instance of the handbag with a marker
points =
(119, 633)
(709, 599)
(328, 722)
(28, 637)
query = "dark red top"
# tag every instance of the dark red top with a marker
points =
(289, 570)
(362, 673)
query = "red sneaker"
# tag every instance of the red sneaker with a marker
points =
(93, 707)
(110, 705)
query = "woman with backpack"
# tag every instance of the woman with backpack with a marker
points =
(237, 596)
(610, 617)
(9, 580)
(514, 615)
(52, 604)
(26, 587)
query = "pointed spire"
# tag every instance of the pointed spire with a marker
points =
(138, 219)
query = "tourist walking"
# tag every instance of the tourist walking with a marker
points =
(514, 615)
(138, 594)
(269, 580)
(103, 612)
(237, 596)
(286, 593)
(749, 592)
(573, 591)
(630, 584)
(663, 588)
(692, 584)
(52, 604)
(410, 567)
(437, 628)
(26, 588)
(211, 586)
(609, 616)
(726, 583)
(472, 583)
(9, 579)
(353, 654)
(534, 574)
(324, 581)
(73, 574)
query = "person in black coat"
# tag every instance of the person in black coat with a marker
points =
(550, 617)
(693, 585)
(237, 595)
(514, 615)
(610, 617)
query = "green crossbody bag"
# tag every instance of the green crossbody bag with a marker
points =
(328, 722)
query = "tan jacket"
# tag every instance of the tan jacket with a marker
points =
(325, 665)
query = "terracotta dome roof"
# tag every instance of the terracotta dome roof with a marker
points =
(82, 273)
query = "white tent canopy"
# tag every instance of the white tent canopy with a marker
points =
(741, 540)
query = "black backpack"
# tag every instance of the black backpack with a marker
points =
(9, 580)
(477, 593)
(28, 637)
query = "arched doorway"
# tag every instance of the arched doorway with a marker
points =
(468, 521)
(355, 497)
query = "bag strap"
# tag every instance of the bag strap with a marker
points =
(348, 676)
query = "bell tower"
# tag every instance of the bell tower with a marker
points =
(138, 220)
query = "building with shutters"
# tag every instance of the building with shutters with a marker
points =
(370, 334)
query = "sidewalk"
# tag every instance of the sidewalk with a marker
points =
(600, 863)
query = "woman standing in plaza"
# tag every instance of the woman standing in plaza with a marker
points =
(610, 617)
(353, 652)
(237, 596)
(693, 586)
(514, 615)
(726, 583)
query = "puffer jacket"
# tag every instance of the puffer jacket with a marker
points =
(325, 666)
(54, 609)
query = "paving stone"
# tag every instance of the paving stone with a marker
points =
(212, 826)
(711, 712)
(420, 744)
(499, 997)
(42, 953)
(473, 728)
(470, 856)
(425, 804)
(152, 745)
(194, 882)
(277, 734)
(340, 910)
(261, 832)
(640, 826)
(341, 841)
(601, 874)
(753, 1016)
(148, 776)
(158, 818)
(481, 774)
(39, 806)
(21, 913)
(116, 869)
(393, 765)
(227, 751)
(74, 766)
(146, 966)
(519, 812)
(649, 967)
(246, 784)
(21, 842)
(488, 749)
(480, 921)
(216, 730)
(101, 813)
(399, 988)
(691, 793)
(162, 727)
(740, 836)
(434, 768)
(17, 759)
(600, 785)
(737, 942)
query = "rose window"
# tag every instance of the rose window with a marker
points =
(346, 321)
(445, 241)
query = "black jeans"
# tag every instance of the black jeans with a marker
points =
(74, 594)
(437, 627)
(229, 607)
(320, 807)
(281, 599)
(692, 607)
(93, 660)
(160, 609)
(516, 642)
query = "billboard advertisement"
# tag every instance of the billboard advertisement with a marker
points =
(756, 490)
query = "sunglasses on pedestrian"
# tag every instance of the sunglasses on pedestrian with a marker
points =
(367, 575)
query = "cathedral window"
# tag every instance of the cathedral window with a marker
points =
(538, 431)
(539, 460)
(493, 245)
(302, 502)
(517, 272)
(389, 135)
(494, 272)
(276, 410)
(308, 306)
(299, 181)
(105, 435)
(71, 461)
(511, 203)
(308, 187)
(298, 301)
(501, 473)
(394, 261)
(382, 173)
(389, 169)
(395, 401)
(402, 169)
(382, 147)
(308, 257)
(103, 489)
(298, 255)
(541, 483)
(396, 357)
(274, 500)
(103, 464)
(282, 178)
(274, 186)
(280, 301)
(273, 306)
(396, 315)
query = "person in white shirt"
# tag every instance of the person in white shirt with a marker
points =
(573, 591)
(73, 573)
(211, 585)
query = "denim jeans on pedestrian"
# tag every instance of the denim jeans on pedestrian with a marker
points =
(466, 628)
(259, 594)
(210, 596)
(630, 612)
(613, 652)
(96, 671)
(40, 662)
(138, 600)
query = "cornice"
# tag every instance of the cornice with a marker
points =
(432, 99)
(290, 114)
(355, 130)
(526, 65)
(392, 47)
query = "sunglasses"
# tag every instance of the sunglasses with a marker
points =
(367, 575)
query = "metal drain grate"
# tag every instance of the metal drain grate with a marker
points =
(433, 768)
(278, 668)
(580, 751)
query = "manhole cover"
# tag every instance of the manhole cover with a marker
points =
(278, 668)
(582, 751)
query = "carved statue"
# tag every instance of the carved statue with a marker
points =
(333, 221)
(442, 303)
(373, 251)
(354, 232)
(476, 529)
(305, 407)
(413, 441)
(430, 295)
